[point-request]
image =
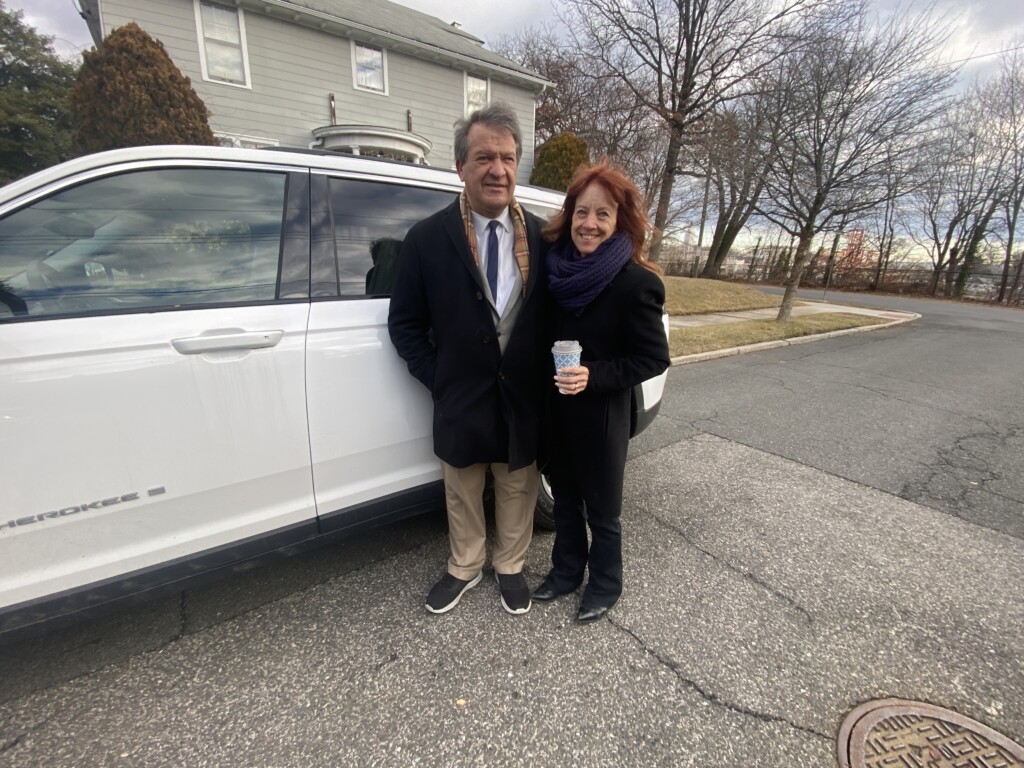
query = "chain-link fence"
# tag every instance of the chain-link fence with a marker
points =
(983, 286)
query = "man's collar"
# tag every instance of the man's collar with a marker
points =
(480, 222)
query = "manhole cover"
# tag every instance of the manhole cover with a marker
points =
(892, 733)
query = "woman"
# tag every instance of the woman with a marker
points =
(609, 297)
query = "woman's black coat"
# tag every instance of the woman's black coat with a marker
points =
(624, 344)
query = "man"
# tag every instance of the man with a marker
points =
(466, 315)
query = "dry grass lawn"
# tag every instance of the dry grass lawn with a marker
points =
(696, 296)
(690, 341)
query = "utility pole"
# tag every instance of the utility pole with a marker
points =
(831, 262)
(753, 259)
(700, 232)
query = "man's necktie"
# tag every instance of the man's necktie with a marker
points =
(492, 260)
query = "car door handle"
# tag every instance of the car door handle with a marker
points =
(197, 345)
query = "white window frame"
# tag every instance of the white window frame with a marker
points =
(241, 140)
(243, 43)
(354, 45)
(465, 91)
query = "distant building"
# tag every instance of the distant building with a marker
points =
(370, 78)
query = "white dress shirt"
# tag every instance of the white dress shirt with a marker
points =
(507, 266)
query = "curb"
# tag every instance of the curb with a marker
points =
(715, 354)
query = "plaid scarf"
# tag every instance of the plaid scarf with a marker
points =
(521, 246)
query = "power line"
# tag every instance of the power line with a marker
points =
(986, 55)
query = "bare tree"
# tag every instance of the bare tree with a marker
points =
(737, 166)
(958, 191)
(680, 59)
(945, 193)
(688, 211)
(1004, 102)
(987, 161)
(880, 222)
(849, 103)
(588, 102)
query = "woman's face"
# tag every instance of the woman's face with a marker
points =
(593, 219)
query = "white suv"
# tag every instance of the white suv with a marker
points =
(195, 369)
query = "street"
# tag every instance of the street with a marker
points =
(932, 414)
(805, 529)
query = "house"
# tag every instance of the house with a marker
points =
(367, 77)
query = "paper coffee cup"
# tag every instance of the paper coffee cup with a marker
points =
(566, 353)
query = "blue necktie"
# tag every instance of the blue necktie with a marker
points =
(492, 260)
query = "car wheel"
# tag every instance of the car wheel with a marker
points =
(544, 515)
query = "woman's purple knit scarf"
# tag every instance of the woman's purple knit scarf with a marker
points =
(575, 280)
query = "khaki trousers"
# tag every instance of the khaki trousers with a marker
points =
(515, 497)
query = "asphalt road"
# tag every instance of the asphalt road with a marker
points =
(931, 412)
(806, 528)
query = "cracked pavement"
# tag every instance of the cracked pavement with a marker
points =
(759, 612)
(805, 529)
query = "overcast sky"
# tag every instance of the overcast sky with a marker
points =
(983, 26)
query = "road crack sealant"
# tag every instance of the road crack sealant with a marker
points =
(22, 737)
(712, 698)
(805, 615)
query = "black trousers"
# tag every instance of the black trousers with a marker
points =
(584, 501)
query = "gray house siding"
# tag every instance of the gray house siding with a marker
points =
(522, 102)
(293, 70)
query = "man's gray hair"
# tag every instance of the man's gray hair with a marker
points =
(496, 115)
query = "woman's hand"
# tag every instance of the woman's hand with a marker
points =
(572, 379)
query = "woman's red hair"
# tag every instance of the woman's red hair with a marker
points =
(631, 213)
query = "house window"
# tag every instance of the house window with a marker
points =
(244, 142)
(477, 93)
(369, 68)
(222, 43)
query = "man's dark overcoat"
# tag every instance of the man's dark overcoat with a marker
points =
(486, 404)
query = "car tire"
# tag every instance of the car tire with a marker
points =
(544, 514)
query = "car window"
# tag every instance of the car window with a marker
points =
(144, 240)
(369, 221)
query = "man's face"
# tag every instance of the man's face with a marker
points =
(490, 169)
